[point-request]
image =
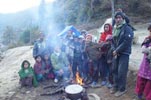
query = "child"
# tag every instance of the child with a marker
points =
(39, 68)
(143, 83)
(109, 61)
(48, 67)
(27, 76)
(61, 66)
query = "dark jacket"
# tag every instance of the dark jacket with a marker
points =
(77, 50)
(93, 50)
(122, 44)
(40, 48)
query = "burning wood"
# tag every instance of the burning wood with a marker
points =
(79, 80)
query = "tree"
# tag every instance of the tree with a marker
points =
(112, 5)
(8, 35)
(26, 36)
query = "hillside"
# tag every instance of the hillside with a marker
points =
(10, 65)
(9, 68)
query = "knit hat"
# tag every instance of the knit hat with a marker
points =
(120, 14)
(81, 37)
(89, 37)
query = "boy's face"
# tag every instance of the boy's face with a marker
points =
(118, 20)
(57, 49)
(26, 65)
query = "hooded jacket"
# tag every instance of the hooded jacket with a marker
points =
(24, 74)
(105, 34)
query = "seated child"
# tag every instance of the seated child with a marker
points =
(27, 76)
(49, 74)
(39, 68)
(60, 63)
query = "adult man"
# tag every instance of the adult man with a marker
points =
(122, 42)
(40, 46)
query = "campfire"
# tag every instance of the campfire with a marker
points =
(79, 80)
(73, 90)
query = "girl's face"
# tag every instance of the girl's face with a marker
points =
(38, 59)
(106, 28)
(26, 65)
(46, 57)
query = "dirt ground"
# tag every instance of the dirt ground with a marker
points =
(10, 65)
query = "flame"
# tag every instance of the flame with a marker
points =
(79, 80)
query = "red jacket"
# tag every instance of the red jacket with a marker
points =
(104, 34)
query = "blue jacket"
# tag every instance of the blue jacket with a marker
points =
(123, 43)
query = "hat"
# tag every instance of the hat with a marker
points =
(83, 32)
(120, 14)
(81, 37)
(89, 36)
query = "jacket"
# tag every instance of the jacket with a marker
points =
(123, 43)
(23, 74)
(58, 62)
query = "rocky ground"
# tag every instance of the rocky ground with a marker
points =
(9, 66)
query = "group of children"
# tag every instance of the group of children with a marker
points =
(61, 62)
(42, 70)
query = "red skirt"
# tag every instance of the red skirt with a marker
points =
(143, 87)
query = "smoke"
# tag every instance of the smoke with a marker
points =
(50, 20)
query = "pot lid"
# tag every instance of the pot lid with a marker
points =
(73, 89)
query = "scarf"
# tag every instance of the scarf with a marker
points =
(117, 29)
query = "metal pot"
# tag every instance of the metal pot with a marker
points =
(74, 91)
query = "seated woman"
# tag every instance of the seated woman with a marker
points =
(60, 63)
(26, 74)
(143, 83)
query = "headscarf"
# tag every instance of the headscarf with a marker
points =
(106, 33)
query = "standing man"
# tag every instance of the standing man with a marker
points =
(40, 46)
(122, 42)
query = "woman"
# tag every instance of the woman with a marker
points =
(143, 83)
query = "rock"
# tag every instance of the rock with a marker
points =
(11, 92)
(27, 92)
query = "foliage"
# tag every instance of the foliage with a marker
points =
(8, 35)
(29, 35)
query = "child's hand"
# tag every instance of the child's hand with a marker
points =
(47, 71)
(30, 75)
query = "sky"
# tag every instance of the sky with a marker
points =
(13, 6)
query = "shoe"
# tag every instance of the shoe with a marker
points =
(113, 90)
(56, 80)
(103, 83)
(139, 97)
(109, 85)
(93, 84)
(119, 93)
